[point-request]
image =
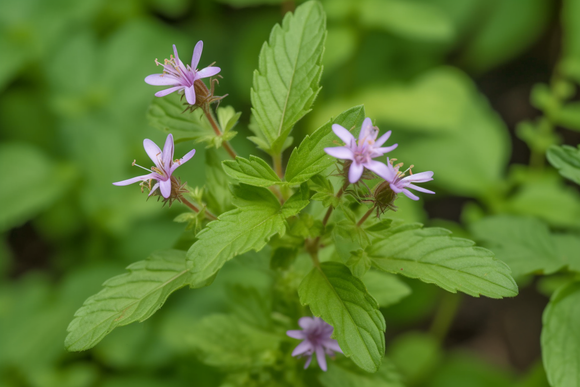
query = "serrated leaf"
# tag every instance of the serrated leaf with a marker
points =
(297, 202)
(342, 300)
(561, 337)
(525, 244)
(254, 171)
(309, 158)
(216, 190)
(286, 81)
(386, 288)
(433, 256)
(358, 263)
(168, 115)
(566, 159)
(343, 375)
(227, 118)
(129, 297)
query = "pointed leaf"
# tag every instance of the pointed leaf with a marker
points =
(433, 256)
(342, 300)
(254, 171)
(567, 160)
(129, 297)
(286, 82)
(309, 158)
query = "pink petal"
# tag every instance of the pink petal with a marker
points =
(420, 177)
(343, 134)
(383, 139)
(153, 151)
(301, 348)
(161, 80)
(308, 362)
(332, 344)
(380, 169)
(153, 189)
(306, 322)
(175, 52)
(163, 93)
(182, 160)
(168, 153)
(410, 195)
(165, 187)
(420, 189)
(208, 72)
(340, 152)
(296, 334)
(366, 129)
(134, 180)
(321, 357)
(381, 151)
(396, 188)
(196, 54)
(190, 95)
(355, 172)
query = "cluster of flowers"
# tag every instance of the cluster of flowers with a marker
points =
(316, 333)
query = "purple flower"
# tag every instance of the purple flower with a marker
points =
(315, 336)
(362, 153)
(179, 76)
(399, 182)
(164, 166)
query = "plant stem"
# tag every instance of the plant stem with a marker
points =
(365, 216)
(444, 317)
(277, 159)
(208, 214)
(208, 113)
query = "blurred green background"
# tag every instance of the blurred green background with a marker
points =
(452, 79)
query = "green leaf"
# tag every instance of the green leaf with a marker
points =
(246, 228)
(424, 350)
(386, 288)
(216, 191)
(340, 374)
(561, 337)
(227, 117)
(309, 158)
(433, 256)
(566, 160)
(224, 341)
(286, 82)
(254, 171)
(129, 297)
(526, 244)
(297, 202)
(358, 263)
(168, 115)
(342, 300)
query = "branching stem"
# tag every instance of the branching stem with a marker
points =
(208, 113)
(365, 216)
(208, 214)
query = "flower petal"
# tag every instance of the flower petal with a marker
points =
(383, 139)
(380, 169)
(182, 160)
(190, 95)
(343, 134)
(196, 54)
(420, 189)
(321, 357)
(420, 177)
(301, 348)
(366, 130)
(161, 80)
(208, 72)
(296, 334)
(165, 186)
(341, 152)
(308, 362)
(306, 322)
(381, 151)
(396, 188)
(168, 153)
(332, 344)
(410, 195)
(355, 172)
(134, 180)
(153, 189)
(163, 93)
(153, 151)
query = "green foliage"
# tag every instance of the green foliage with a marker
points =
(344, 376)
(386, 288)
(560, 337)
(254, 171)
(286, 82)
(423, 349)
(433, 256)
(129, 297)
(527, 245)
(309, 158)
(567, 160)
(342, 300)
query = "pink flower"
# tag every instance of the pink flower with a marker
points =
(315, 336)
(361, 153)
(164, 166)
(179, 76)
(399, 182)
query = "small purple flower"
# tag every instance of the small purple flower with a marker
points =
(164, 166)
(362, 153)
(315, 336)
(399, 182)
(181, 77)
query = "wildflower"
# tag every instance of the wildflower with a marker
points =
(181, 77)
(361, 153)
(315, 336)
(164, 167)
(399, 182)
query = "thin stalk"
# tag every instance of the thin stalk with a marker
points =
(218, 132)
(445, 314)
(277, 159)
(208, 214)
(365, 216)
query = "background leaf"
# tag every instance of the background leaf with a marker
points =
(286, 82)
(433, 256)
(566, 160)
(342, 300)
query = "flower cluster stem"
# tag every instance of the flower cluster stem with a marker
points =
(445, 315)
(365, 216)
(208, 214)
(208, 113)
